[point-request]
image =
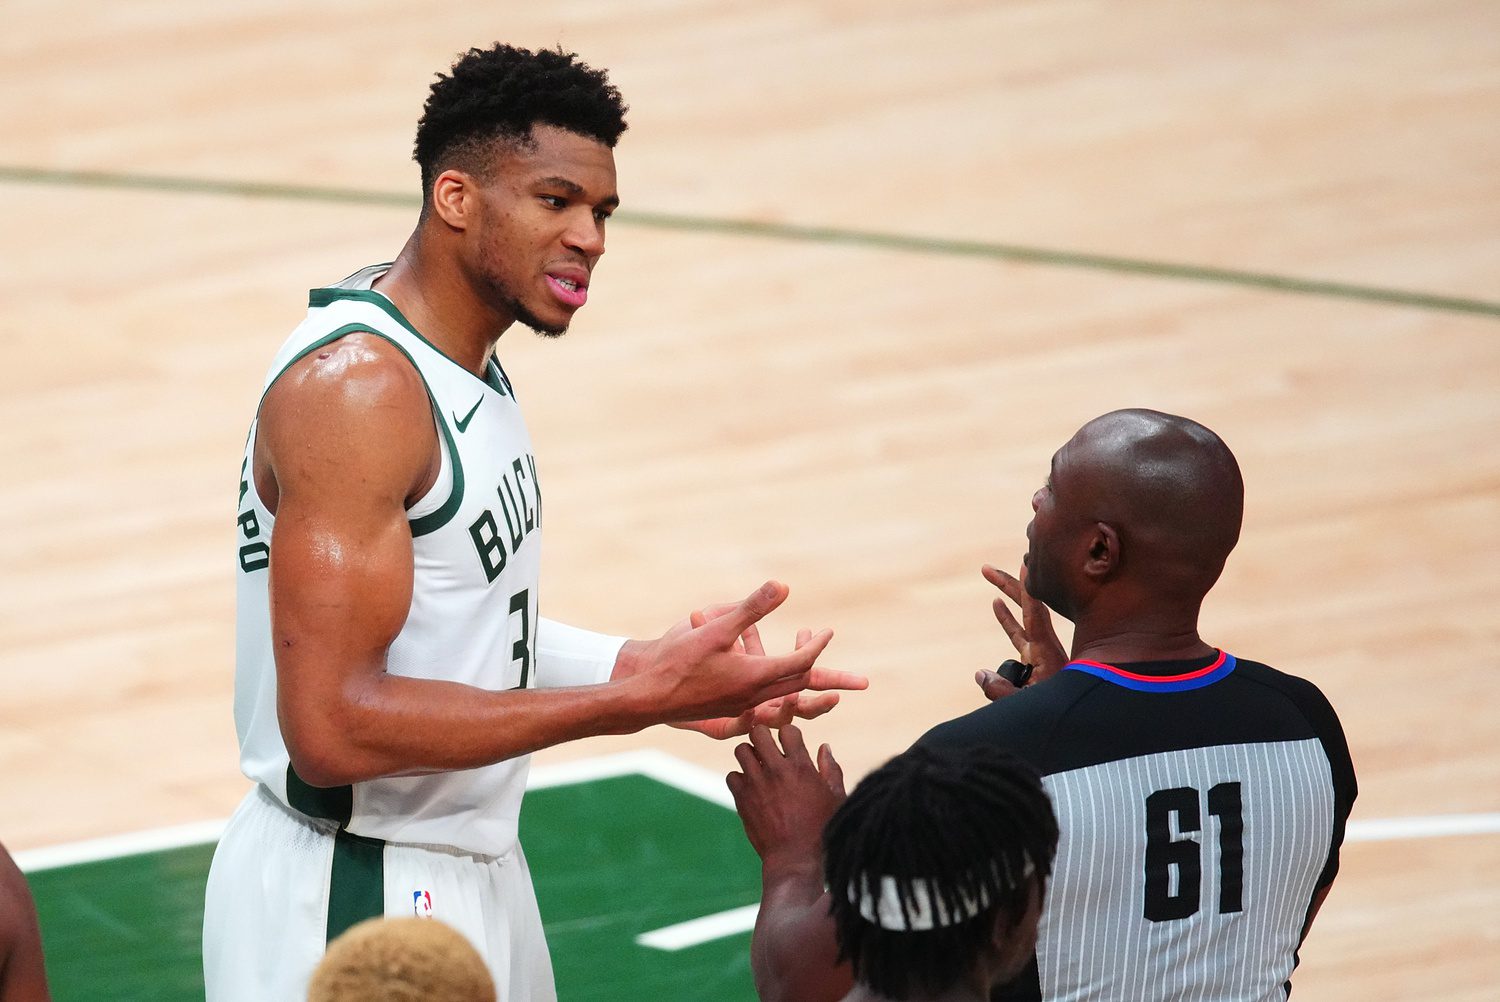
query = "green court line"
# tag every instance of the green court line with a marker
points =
(1015, 253)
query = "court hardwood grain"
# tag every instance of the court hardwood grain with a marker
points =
(864, 422)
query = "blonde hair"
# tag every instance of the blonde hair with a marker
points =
(401, 960)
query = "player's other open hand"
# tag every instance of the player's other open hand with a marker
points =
(711, 672)
(776, 713)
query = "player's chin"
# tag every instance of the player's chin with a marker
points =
(549, 330)
(548, 323)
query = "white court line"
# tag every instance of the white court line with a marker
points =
(1431, 826)
(700, 930)
(114, 846)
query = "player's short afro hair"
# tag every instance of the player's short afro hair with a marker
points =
(401, 960)
(501, 93)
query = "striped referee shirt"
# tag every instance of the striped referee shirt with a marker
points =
(1201, 806)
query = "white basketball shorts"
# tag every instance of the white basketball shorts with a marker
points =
(281, 882)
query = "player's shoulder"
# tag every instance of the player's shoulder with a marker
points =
(355, 403)
(359, 385)
(361, 368)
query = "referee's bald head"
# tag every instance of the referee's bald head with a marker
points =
(1136, 497)
(401, 960)
(1168, 479)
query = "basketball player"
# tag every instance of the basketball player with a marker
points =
(23, 972)
(938, 863)
(1201, 797)
(393, 670)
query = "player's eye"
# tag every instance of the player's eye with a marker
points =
(553, 201)
(603, 214)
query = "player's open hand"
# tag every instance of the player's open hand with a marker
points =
(1032, 636)
(777, 713)
(783, 799)
(718, 668)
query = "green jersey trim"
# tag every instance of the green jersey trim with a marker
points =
(440, 517)
(356, 882)
(495, 376)
(326, 297)
(331, 803)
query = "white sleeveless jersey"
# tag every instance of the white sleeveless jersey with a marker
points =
(476, 541)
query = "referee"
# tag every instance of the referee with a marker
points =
(1201, 797)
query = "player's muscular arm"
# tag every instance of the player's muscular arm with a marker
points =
(345, 440)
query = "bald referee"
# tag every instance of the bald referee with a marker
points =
(1201, 797)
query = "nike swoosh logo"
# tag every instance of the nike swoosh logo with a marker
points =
(463, 422)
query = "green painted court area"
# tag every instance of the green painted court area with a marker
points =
(612, 859)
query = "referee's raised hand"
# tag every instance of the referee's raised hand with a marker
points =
(1032, 635)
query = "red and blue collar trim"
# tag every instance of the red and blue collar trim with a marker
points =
(1196, 679)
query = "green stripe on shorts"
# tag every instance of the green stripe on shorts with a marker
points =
(356, 888)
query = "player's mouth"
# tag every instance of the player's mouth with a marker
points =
(570, 287)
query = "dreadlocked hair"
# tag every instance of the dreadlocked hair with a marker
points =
(923, 857)
(501, 93)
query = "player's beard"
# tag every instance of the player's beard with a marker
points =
(525, 317)
(529, 319)
(510, 302)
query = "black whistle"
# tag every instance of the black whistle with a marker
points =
(1014, 672)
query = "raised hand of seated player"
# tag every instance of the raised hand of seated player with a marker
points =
(783, 798)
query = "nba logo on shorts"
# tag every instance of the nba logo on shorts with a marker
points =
(421, 904)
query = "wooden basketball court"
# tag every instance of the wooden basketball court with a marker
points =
(873, 266)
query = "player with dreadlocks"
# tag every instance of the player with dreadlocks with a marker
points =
(393, 673)
(937, 864)
(934, 869)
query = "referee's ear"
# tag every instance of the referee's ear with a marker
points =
(1103, 553)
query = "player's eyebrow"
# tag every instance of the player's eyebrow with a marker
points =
(571, 187)
(576, 190)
